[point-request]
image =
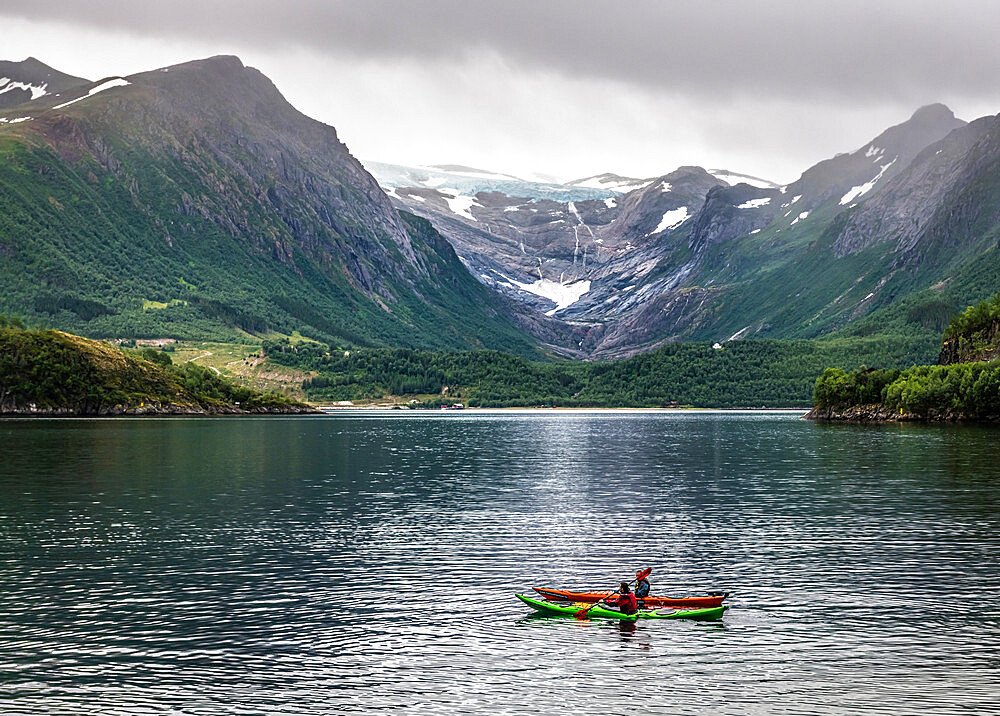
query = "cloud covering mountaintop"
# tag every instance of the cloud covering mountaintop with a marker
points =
(726, 82)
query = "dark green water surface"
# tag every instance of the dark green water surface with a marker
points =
(367, 563)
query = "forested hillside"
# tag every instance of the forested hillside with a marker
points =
(740, 374)
(51, 372)
(965, 384)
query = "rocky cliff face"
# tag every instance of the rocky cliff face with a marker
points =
(826, 189)
(965, 349)
(850, 177)
(568, 259)
(929, 201)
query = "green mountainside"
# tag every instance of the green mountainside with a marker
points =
(903, 257)
(964, 385)
(56, 373)
(194, 201)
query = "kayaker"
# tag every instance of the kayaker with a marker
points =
(641, 587)
(623, 600)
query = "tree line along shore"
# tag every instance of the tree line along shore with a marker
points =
(964, 385)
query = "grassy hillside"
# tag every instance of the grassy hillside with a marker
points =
(55, 372)
(865, 293)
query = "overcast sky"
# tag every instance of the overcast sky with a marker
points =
(565, 87)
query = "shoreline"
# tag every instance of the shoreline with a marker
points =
(338, 410)
(880, 414)
(376, 411)
(159, 412)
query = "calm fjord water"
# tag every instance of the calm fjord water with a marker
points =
(367, 563)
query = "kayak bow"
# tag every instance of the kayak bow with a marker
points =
(601, 612)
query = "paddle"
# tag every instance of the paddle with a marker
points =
(583, 612)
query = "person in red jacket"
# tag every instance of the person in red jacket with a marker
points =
(623, 600)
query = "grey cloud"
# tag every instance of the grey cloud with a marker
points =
(892, 50)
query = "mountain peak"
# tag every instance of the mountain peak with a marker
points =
(927, 125)
(933, 112)
(33, 64)
(213, 86)
(31, 68)
(223, 61)
(217, 64)
(31, 79)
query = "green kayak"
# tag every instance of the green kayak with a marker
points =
(601, 612)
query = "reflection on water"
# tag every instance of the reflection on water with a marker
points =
(367, 562)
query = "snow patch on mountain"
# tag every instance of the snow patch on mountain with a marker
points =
(874, 151)
(106, 85)
(6, 85)
(863, 189)
(755, 203)
(671, 220)
(611, 182)
(459, 204)
(561, 294)
(733, 178)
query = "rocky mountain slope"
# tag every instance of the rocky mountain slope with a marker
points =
(706, 255)
(194, 199)
(763, 261)
(571, 260)
(921, 238)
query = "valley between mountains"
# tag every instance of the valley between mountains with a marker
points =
(193, 202)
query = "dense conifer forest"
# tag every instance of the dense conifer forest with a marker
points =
(751, 373)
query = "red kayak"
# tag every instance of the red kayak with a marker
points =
(564, 595)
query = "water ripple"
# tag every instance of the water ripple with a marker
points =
(368, 562)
